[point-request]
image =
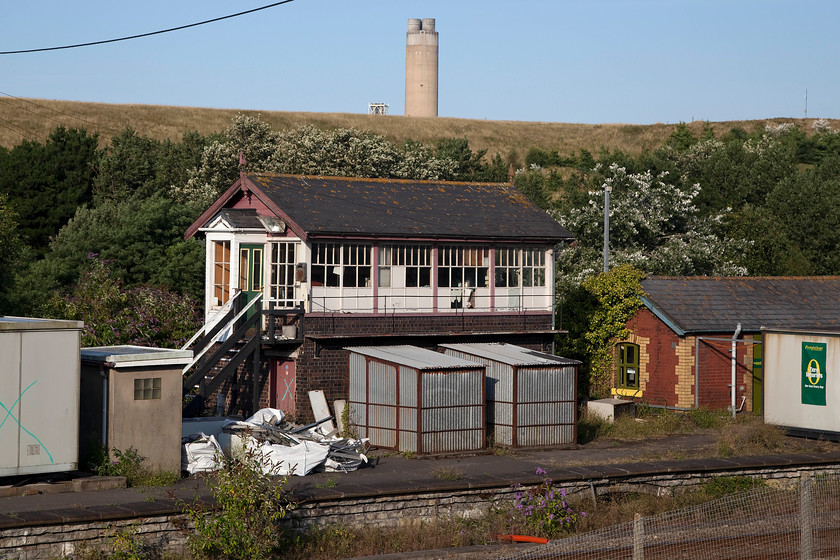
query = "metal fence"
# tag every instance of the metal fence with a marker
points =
(801, 523)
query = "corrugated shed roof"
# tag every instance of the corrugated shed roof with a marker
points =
(414, 357)
(510, 354)
(329, 206)
(694, 304)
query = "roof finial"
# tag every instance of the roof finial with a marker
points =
(510, 175)
(241, 163)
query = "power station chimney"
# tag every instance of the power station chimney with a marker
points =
(421, 68)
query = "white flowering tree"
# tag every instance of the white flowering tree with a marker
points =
(219, 165)
(307, 150)
(654, 226)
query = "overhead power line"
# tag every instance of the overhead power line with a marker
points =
(179, 28)
(59, 121)
(24, 133)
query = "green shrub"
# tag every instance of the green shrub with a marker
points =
(244, 520)
(129, 463)
(725, 485)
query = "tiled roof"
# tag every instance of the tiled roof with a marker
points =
(324, 206)
(696, 304)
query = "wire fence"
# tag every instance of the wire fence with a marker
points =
(798, 523)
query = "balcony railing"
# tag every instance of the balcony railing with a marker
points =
(455, 300)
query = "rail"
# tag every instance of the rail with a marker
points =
(457, 301)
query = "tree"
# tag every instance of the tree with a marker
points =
(807, 208)
(218, 167)
(654, 225)
(10, 251)
(469, 165)
(46, 183)
(142, 240)
(134, 166)
(682, 138)
(596, 315)
(113, 314)
(308, 151)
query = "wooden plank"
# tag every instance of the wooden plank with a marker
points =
(321, 410)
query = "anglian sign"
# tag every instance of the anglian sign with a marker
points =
(813, 373)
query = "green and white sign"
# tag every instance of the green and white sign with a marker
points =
(813, 373)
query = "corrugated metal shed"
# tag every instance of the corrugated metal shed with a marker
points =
(531, 396)
(412, 356)
(412, 399)
(511, 354)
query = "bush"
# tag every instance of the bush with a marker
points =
(544, 509)
(113, 314)
(244, 520)
(721, 486)
(128, 463)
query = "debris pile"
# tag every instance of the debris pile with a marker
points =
(287, 449)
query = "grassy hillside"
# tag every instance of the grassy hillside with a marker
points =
(33, 119)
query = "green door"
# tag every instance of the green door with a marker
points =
(758, 376)
(250, 273)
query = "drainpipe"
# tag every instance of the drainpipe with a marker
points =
(104, 377)
(734, 362)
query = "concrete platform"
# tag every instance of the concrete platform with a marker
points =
(391, 475)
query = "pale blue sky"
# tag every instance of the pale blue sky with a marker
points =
(589, 61)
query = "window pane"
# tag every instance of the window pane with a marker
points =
(243, 269)
(364, 276)
(384, 277)
(425, 277)
(256, 276)
(411, 277)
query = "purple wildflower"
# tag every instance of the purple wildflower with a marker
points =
(540, 470)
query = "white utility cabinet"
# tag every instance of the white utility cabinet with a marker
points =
(39, 395)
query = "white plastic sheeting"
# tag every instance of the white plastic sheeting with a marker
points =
(283, 452)
(200, 454)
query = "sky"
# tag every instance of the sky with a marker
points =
(571, 61)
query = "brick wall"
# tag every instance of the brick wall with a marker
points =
(668, 363)
(659, 359)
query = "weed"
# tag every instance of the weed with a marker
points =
(244, 521)
(544, 509)
(591, 427)
(125, 544)
(705, 419)
(500, 450)
(751, 436)
(119, 543)
(448, 473)
(724, 485)
(129, 463)
(328, 483)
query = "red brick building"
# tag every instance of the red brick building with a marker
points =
(343, 262)
(680, 351)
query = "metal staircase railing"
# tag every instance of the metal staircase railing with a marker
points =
(247, 330)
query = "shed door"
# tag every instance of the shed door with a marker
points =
(758, 376)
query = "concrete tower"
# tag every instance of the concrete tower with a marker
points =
(421, 68)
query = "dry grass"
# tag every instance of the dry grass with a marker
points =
(34, 119)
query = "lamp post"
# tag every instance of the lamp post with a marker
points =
(607, 191)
